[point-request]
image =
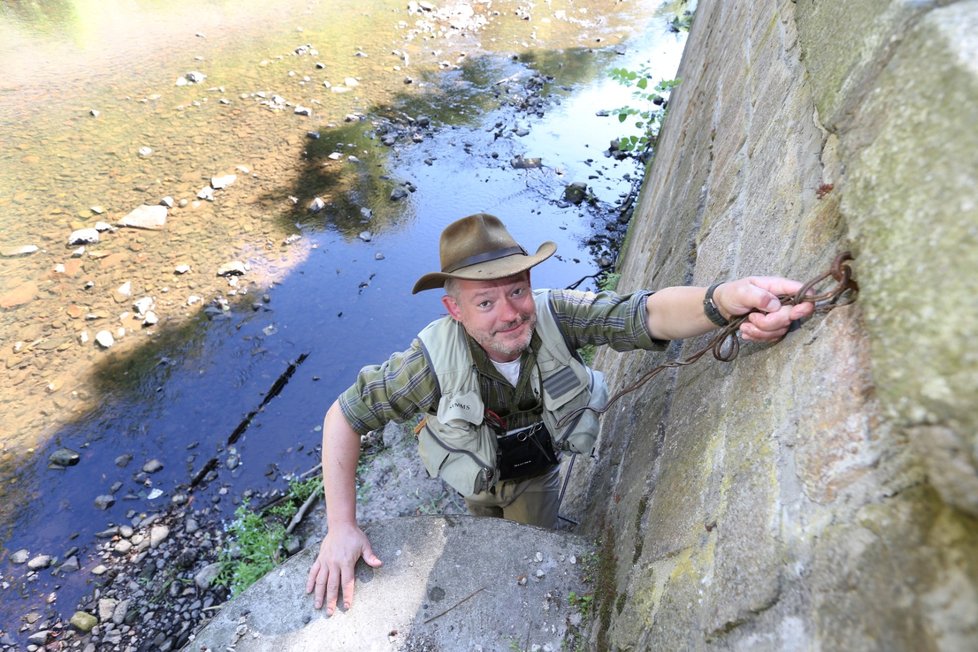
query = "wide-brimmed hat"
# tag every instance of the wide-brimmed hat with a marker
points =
(479, 248)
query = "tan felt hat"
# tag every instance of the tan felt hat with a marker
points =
(479, 248)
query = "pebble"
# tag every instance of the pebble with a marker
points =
(158, 535)
(39, 562)
(104, 501)
(152, 466)
(145, 152)
(64, 457)
(83, 237)
(20, 557)
(145, 216)
(15, 252)
(317, 205)
(302, 110)
(83, 621)
(71, 565)
(105, 340)
(206, 576)
(232, 268)
(181, 269)
(219, 183)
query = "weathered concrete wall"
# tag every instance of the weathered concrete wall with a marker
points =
(821, 493)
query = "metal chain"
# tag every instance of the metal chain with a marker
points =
(725, 345)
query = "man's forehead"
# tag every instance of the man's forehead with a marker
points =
(488, 286)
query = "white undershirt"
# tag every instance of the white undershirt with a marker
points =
(509, 370)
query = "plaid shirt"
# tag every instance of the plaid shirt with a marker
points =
(405, 384)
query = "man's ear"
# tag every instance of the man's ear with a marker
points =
(451, 305)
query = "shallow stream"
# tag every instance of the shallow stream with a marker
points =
(348, 101)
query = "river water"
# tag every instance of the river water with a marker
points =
(105, 106)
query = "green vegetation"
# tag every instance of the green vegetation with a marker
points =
(255, 538)
(650, 110)
(681, 22)
(582, 603)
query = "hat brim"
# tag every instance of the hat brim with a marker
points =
(489, 270)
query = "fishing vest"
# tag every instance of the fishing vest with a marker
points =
(458, 445)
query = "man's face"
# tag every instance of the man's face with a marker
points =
(499, 314)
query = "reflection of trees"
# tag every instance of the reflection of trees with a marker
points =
(454, 98)
(47, 16)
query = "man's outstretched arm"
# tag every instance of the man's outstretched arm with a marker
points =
(677, 312)
(344, 542)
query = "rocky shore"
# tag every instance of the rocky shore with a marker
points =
(155, 578)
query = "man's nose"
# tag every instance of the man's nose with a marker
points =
(509, 311)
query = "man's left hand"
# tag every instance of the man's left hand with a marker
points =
(770, 319)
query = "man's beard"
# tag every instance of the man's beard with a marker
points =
(507, 348)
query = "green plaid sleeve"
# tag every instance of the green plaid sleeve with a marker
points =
(396, 390)
(604, 318)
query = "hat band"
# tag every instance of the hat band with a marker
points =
(484, 257)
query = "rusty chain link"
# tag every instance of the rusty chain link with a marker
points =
(725, 345)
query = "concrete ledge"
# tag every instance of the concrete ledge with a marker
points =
(448, 583)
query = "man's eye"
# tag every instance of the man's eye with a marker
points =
(485, 305)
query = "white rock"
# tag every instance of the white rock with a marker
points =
(206, 193)
(124, 290)
(104, 339)
(303, 110)
(158, 535)
(219, 183)
(21, 556)
(193, 299)
(83, 337)
(167, 201)
(13, 252)
(104, 227)
(39, 562)
(143, 305)
(335, 156)
(181, 269)
(350, 82)
(146, 217)
(232, 268)
(83, 237)
(122, 546)
(150, 319)
(145, 152)
(106, 606)
(317, 205)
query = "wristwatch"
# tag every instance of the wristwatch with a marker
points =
(710, 308)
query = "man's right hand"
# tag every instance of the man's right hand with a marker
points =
(333, 569)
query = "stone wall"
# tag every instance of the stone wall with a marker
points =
(821, 493)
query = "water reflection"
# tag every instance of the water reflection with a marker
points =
(177, 390)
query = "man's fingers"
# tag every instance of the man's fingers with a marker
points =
(311, 579)
(332, 588)
(372, 560)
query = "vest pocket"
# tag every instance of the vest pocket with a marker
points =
(464, 458)
(579, 435)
